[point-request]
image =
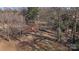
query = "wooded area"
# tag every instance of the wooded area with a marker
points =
(39, 28)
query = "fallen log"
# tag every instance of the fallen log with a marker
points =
(43, 37)
(45, 30)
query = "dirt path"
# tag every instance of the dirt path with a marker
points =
(6, 46)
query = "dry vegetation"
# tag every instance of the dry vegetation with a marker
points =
(40, 35)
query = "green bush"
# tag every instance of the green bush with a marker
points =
(30, 13)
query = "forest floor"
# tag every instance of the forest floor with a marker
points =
(41, 41)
